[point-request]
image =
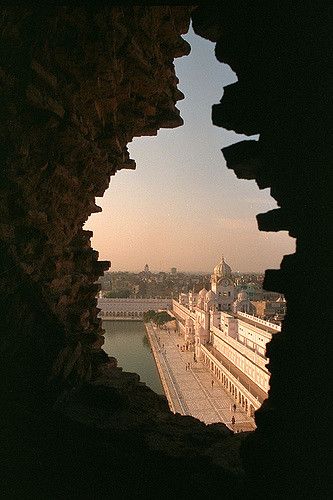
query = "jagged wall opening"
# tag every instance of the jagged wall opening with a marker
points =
(279, 53)
(78, 85)
(74, 92)
(182, 186)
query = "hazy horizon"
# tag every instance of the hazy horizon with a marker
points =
(180, 271)
(182, 207)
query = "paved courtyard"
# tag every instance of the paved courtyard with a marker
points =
(190, 390)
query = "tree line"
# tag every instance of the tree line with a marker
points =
(159, 318)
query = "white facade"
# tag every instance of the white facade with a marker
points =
(223, 286)
(231, 344)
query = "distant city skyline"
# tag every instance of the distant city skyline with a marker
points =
(179, 271)
(182, 207)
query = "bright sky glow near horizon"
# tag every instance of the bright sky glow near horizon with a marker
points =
(182, 207)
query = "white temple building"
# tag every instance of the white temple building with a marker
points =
(226, 336)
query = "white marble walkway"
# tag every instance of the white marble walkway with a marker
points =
(190, 391)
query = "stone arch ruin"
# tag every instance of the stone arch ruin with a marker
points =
(77, 84)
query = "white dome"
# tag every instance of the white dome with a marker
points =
(222, 270)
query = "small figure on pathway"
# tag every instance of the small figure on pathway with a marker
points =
(162, 345)
(212, 384)
(233, 421)
(234, 407)
(178, 345)
(189, 365)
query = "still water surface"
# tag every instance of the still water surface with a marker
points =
(127, 341)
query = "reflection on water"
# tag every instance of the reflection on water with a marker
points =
(127, 341)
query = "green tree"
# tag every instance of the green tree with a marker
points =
(159, 318)
(149, 316)
(162, 317)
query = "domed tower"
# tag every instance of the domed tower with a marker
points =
(202, 318)
(189, 329)
(223, 286)
(222, 270)
(201, 298)
(192, 300)
(210, 301)
(243, 304)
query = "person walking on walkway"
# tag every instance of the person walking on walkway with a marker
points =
(233, 421)
(212, 384)
(234, 407)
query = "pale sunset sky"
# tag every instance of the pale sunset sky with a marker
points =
(182, 207)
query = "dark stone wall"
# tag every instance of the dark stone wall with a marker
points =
(77, 84)
(280, 54)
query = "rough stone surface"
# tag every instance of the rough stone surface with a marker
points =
(77, 84)
(279, 52)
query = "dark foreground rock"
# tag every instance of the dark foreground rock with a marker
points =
(116, 439)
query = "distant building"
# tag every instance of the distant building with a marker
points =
(270, 309)
(227, 337)
(222, 286)
(243, 304)
(146, 269)
(173, 271)
(130, 309)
